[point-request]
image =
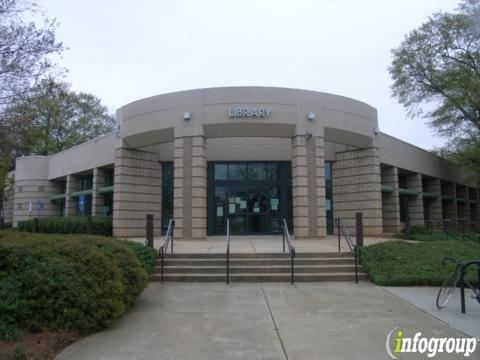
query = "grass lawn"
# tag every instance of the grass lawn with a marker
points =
(401, 263)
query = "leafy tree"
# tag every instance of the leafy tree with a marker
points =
(24, 49)
(53, 119)
(436, 74)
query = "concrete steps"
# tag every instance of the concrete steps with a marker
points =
(258, 267)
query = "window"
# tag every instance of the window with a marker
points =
(329, 197)
(107, 209)
(221, 172)
(237, 171)
(272, 171)
(84, 182)
(109, 177)
(256, 171)
(402, 181)
(167, 194)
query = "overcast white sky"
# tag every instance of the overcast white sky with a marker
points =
(125, 50)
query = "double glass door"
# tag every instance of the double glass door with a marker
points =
(250, 210)
(254, 196)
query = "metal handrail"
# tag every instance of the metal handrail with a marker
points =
(164, 248)
(291, 249)
(456, 228)
(342, 231)
(228, 251)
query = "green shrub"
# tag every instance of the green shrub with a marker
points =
(101, 225)
(7, 226)
(147, 256)
(10, 304)
(400, 263)
(65, 282)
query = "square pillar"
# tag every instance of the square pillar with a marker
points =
(137, 192)
(97, 199)
(415, 204)
(190, 187)
(357, 187)
(308, 187)
(71, 186)
(390, 201)
(434, 205)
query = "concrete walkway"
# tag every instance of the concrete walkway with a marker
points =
(424, 298)
(257, 244)
(200, 321)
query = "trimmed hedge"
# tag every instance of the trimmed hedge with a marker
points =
(147, 256)
(401, 263)
(66, 282)
(101, 225)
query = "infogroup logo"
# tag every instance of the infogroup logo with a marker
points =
(397, 343)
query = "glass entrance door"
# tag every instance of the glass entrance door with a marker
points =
(254, 196)
(247, 210)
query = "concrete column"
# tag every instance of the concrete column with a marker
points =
(435, 205)
(308, 187)
(190, 187)
(415, 204)
(97, 199)
(451, 210)
(137, 192)
(71, 187)
(390, 201)
(357, 188)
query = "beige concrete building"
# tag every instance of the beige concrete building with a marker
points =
(254, 154)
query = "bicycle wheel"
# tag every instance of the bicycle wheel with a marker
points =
(447, 290)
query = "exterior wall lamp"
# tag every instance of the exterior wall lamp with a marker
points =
(187, 115)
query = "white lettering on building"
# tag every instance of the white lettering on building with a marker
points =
(249, 112)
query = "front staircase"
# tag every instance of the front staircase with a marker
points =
(258, 267)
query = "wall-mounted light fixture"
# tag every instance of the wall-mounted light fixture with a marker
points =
(311, 116)
(118, 131)
(308, 135)
(376, 131)
(187, 116)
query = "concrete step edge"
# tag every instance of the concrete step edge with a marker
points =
(258, 255)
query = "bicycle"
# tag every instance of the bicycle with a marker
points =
(448, 288)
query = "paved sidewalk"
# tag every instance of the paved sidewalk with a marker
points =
(307, 321)
(424, 298)
(257, 244)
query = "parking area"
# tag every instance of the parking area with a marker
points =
(200, 321)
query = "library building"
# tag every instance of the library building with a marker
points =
(253, 155)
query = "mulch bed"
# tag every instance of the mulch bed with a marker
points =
(38, 346)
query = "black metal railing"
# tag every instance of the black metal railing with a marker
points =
(463, 228)
(228, 252)
(164, 248)
(291, 249)
(343, 232)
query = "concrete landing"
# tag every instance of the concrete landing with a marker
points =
(256, 244)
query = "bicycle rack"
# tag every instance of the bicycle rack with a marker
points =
(462, 281)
